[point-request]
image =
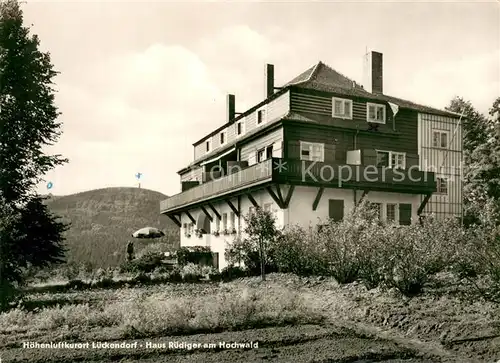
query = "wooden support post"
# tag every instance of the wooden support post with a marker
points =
(207, 214)
(233, 208)
(424, 203)
(190, 217)
(174, 219)
(318, 197)
(217, 214)
(288, 196)
(275, 197)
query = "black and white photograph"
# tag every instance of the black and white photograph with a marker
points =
(249, 181)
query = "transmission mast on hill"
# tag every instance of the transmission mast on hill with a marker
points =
(138, 176)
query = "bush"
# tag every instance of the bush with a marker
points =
(147, 263)
(232, 272)
(295, 252)
(196, 255)
(191, 273)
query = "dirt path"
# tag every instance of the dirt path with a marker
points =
(309, 343)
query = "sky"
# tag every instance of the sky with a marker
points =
(140, 82)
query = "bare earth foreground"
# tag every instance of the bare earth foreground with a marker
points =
(360, 326)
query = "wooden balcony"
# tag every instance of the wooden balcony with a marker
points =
(363, 177)
(254, 175)
(297, 172)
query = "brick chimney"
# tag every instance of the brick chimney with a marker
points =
(269, 73)
(373, 72)
(230, 107)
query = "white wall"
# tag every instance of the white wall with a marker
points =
(219, 243)
(300, 211)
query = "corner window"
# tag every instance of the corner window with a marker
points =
(442, 185)
(312, 151)
(222, 138)
(341, 108)
(391, 159)
(208, 145)
(375, 113)
(440, 139)
(261, 116)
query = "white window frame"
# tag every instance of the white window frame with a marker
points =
(344, 102)
(438, 184)
(391, 153)
(225, 137)
(232, 220)
(376, 105)
(310, 146)
(396, 212)
(242, 123)
(217, 224)
(224, 221)
(440, 132)
(264, 119)
(208, 143)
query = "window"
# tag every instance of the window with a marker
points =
(342, 108)
(375, 113)
(391, 159)
(267, 207)
(442, 186)
(265, 153)
(185, 227)
(261, 116)
(222, 137)
(233, 220)
(312, 151)
(224, 221)
(251, 210)
(440, 139)
(217, 224)
(240, 128)
(208, 145)
(398, 160)
(269, 152)
(378, 208)
(391, 212)
(260, 155)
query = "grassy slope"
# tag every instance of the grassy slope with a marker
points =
(103, 220)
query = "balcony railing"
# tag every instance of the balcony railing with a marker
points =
(252, 175)
(367, 177)
(363, 177)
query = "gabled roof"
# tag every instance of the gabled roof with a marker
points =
(322, 77)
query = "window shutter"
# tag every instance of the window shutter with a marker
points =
(405, 214)
(336, 209)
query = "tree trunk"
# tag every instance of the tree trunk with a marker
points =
(262, 262)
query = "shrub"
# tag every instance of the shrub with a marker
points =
(191, 273)
(146, 263)
(195, 254)
(232, 272)
(295, 252)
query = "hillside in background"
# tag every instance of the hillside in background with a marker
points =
(103, 220)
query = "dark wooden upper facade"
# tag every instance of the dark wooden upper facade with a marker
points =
(304, 113)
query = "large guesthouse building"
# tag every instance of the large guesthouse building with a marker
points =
(312, 150)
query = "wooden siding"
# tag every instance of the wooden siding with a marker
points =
(444, 162)
(192, 175)
(276, 109)
(337, 142)
(399, 133)
(248, 151)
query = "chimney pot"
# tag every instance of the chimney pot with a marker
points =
(230, 107)
(269, 74)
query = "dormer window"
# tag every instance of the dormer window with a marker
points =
(342, 108)
(375, 113)
(208, 145)
(261, 116)
(222, 138)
